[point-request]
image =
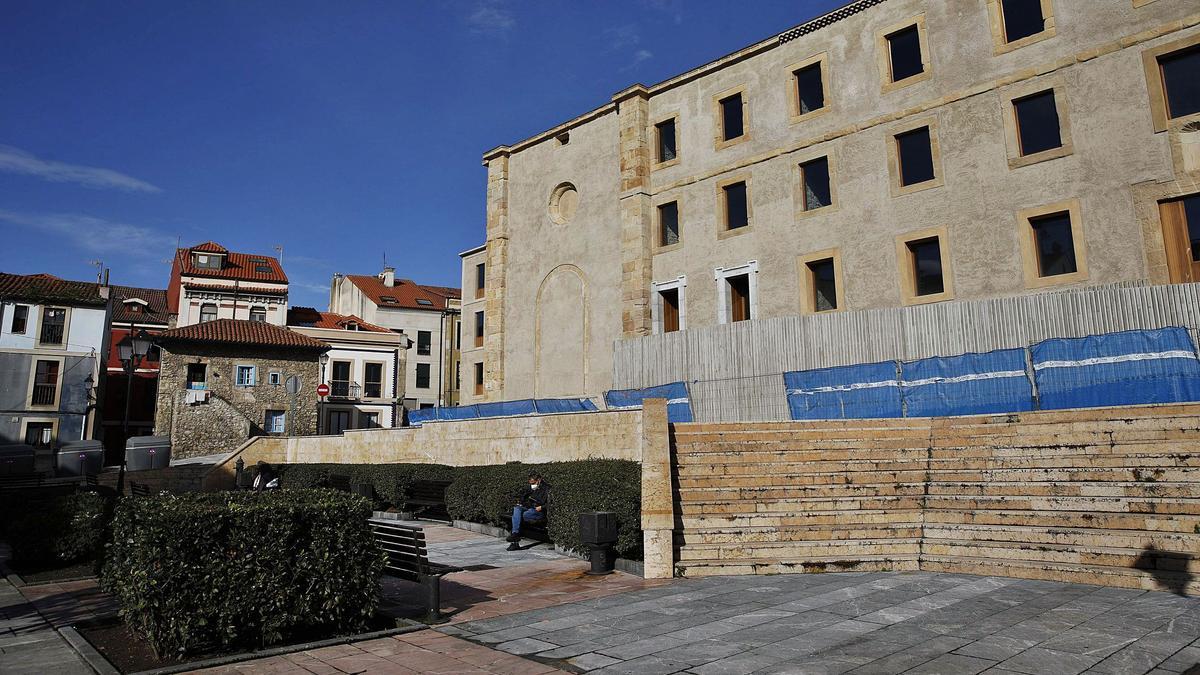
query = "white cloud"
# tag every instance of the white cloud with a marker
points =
(92, 234)
(15, 160)
(621, 37)
(491, 16)
(642, 55)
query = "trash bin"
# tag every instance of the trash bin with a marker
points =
(80, 458)
(16, 459)
(147, 452)
(598, 531)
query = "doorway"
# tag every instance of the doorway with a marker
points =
(338, 421)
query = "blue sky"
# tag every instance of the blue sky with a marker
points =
(342, 130)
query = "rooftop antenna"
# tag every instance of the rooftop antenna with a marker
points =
(279, 248)
(99, 265)
(385, 259)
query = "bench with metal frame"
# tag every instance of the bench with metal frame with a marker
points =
(429, 498)
(139, 489)
(406, 559)
(40, 481)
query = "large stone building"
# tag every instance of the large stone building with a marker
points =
(890, 153)
(429, 315)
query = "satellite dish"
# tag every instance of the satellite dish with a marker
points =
(292, 385)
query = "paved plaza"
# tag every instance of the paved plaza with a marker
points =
(536, 611)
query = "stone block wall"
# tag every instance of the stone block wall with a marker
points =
(1103, 496)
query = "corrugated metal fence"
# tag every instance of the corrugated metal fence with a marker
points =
(734, 372)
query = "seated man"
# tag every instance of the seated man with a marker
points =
(530, 508)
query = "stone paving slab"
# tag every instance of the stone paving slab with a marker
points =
(860, 623)
(29, 644)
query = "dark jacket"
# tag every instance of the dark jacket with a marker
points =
(530, 498)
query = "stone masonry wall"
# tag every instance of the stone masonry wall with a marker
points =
(1102, 496)
(232, 413)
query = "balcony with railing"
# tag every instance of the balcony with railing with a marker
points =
(52, 334)
(43, 394)
(344, 389)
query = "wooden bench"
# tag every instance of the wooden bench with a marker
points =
(428, 497)
(406, 559)
(139, 489)
(41, 482)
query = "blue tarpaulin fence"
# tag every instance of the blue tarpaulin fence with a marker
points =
(1126, 368)
(529, 406)
(679, 406)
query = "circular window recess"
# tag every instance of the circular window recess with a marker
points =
(563, 202)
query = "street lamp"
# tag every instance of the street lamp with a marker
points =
(131, 350)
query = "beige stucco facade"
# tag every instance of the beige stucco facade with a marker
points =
(474, 306)
(560, 293)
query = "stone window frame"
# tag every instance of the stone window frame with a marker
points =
(893, 158)
(480, 280)
(808, 288)
(383, 379)
(52, 421)
(904, 262)
(723, 231)
(479, 382)
(1012, 138)
(719, 118)
(822, 59)
(58, 385)
(883, 54)
(1029, 259)
(37, 333)
(237, 369)
(654, 163)
(1000, 43)
(721, 275)
(656, 310)
(798, 196)
(478, 325)
(658, 201)
(1159, 114)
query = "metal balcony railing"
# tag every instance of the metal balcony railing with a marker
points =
(52, 334)
(43, 394)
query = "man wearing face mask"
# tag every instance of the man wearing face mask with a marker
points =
(530, 508)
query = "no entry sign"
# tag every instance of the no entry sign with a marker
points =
(322, 389)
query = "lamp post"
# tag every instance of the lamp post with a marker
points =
(324, 359)
(131, 350)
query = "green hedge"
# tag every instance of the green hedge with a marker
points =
(242, 569)
(390, 480)
(486, 494)
(56, 531)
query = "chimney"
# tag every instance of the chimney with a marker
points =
(388, 277)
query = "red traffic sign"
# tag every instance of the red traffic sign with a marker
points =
(322, 389)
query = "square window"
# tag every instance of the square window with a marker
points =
(274, 378)
(914, 153)
(1037, 123)
(368, 420)
(822, 279)
(904, 53)
(668, 224)
(339, 382)
(925, 259)
(40, 435)
(422, 376)
(197, 376)
(54, 325)
(810, 88)
(739, 297)
(670, 309)
(731, 117)
(245, 376)
(479, 379)
(1022, 18)
(275, 421)
(814, 177)
(45, 383)
(1054, 244)
(664, 133)
(1181, 81)
(737, 211)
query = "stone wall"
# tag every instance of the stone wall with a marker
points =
(1101, 496)
(233, 413)
(534, 439)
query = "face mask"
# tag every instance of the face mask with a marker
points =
(534, 486)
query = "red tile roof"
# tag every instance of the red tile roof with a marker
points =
(46, 288)
(307, 317)
(241, 332)
(406, 292)
(238, 266)
(155, 310)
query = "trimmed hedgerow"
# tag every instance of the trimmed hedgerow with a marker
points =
(486, 494)
(389, 480)
(242, 569)
(58, 530)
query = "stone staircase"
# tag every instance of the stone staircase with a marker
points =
(1094, 496)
